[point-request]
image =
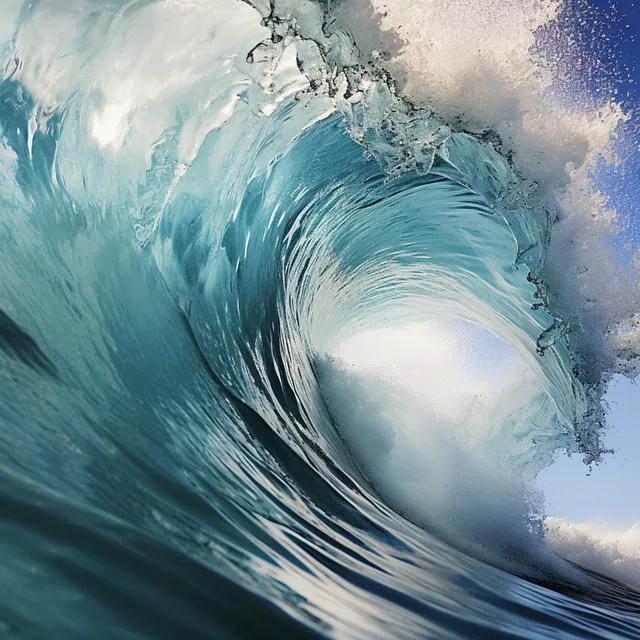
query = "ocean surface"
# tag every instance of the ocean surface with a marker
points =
(209, 211)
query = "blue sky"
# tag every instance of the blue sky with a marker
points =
(610, 494)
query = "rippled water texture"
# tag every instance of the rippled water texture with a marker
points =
(200, 202)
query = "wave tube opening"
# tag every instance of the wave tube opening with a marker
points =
(433, 413)
(446, 449)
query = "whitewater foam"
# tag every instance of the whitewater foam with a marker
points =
(430, 412)
(613, 553)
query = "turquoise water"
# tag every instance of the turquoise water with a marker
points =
(188, 236)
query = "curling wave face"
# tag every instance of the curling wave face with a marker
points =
(201, 203)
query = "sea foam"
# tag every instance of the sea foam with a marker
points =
(597, 547)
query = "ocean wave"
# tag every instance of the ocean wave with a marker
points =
(206, 206)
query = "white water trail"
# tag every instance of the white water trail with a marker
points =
(613, 553)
